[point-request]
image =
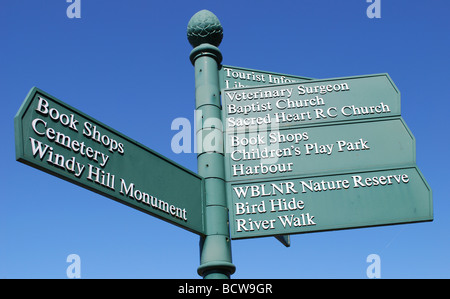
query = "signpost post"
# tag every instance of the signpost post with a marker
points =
(205, 35)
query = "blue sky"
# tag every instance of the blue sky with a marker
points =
(126, 63)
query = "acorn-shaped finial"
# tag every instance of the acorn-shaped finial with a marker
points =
(204, 27)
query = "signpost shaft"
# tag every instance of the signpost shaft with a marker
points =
(205, 34)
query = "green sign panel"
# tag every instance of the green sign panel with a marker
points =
(320, 155)
(318, 149)
(237, 77)
(58, 139)
(319, 203)
(311, 102)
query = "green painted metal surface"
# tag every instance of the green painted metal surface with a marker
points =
(319, 149)
(311, 102)
(320, 155)
(319, 203)
(58, 139)
(205, 34)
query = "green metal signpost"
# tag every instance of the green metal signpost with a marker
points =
(302, 156)
(290, 155)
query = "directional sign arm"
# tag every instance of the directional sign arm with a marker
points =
(56, 138)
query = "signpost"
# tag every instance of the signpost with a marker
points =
(58, 139)
(298, 155)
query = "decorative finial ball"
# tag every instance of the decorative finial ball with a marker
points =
(204, 27)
